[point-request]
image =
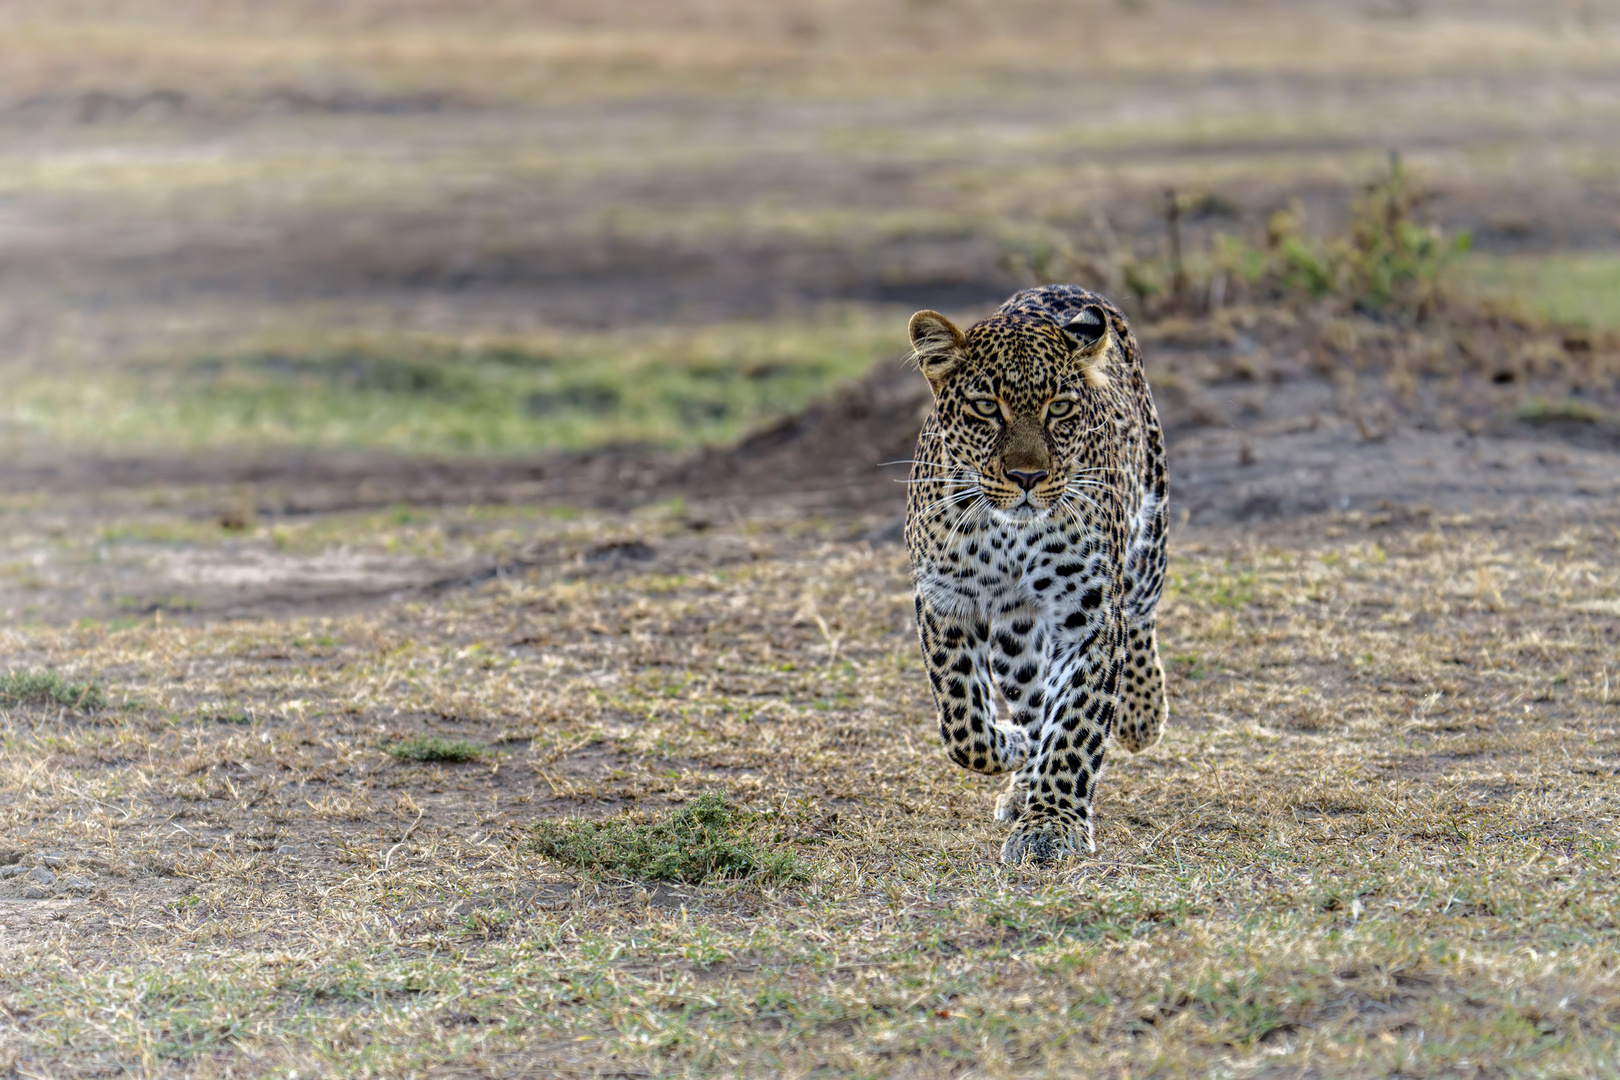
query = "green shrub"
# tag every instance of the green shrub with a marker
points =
(434, 748)
(49, 688)
(707, 838)
(1385, 263)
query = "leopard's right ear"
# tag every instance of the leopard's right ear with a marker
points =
(938, 346)
(1089, 335)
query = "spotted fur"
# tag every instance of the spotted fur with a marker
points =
(1036, 525)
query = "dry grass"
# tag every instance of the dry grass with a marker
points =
(1379, 836)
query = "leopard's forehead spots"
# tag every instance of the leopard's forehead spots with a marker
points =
(1018, 355)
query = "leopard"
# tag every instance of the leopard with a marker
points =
(1036, 529)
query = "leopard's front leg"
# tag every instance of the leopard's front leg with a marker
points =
(1082, 698)
(954, 652)
(1018, 644)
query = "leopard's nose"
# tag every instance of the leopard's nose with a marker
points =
(1026, 480)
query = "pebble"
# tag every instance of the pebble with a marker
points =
(36, 892)
(41, 875)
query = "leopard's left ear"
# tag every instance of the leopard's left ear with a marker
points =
(1089, 335)
(939, 346)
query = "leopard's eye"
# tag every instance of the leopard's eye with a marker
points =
(986, 406)
(1059, 409)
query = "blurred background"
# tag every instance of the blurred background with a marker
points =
(507, 227)
(307, 303)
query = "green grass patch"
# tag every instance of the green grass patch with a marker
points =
(708, 838)
(1578, 290)
(435, 748)
(49, 688)
(442, 395)
(1545, 410)
(1223, 587)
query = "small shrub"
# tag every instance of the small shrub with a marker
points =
(49, 688)
(434, 748)
(1385, 263)
(707, 838)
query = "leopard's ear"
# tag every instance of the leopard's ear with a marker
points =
(1089, 336)
(938, 345)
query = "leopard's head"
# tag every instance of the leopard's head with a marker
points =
(1017, 398)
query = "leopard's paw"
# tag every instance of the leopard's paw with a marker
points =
(1019, 746)
(1043, 841)
(1137, 736)
(1011, 802)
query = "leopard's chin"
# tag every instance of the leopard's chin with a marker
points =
(1022, 513)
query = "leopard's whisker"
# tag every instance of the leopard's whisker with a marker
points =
(947, 502)
(954, 484)
(1074, 518)
(972, 511)
(1087, 500)
(950, 462)
(952, 468)
(942, 503)
(1074, 513)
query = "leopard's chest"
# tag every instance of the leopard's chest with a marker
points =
(999, 567)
